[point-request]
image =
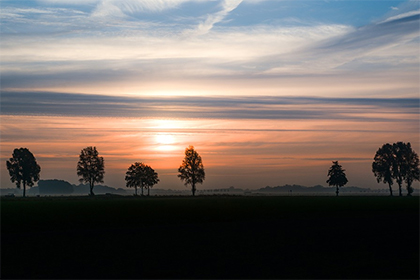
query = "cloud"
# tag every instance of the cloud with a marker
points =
(395, 29)
(145, 41)
(49, 103)
(408, 16)
(226, 7)
(391, 41)
(69, 2)
(121, 8)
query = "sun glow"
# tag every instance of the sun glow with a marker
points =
(166, 124)
(165, 142)
(165, 139)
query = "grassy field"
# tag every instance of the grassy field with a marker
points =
(210, 237)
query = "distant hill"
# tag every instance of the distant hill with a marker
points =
(61, 187)
(49, 187)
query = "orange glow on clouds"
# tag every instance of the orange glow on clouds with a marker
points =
(244, 153)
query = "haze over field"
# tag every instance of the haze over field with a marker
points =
(268, 92)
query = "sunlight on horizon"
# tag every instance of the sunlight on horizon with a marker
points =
(252, 152)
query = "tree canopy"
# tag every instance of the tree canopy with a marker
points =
(23, 168)
(191, 170)
(412, 172)
(151, 178)
(397, 162)
(382, 165)
(90, 167)
(336, 175)
(141, 175)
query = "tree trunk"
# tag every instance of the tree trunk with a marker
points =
(400, 189)
(135, 192)
(141, 190)
(390, 189)
(409, 189)
(193, 189)
(336, 192)
(24, 189)
(91, 189)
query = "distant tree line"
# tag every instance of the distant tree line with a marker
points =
(397, 162)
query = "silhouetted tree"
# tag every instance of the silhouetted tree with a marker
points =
(151, 179)
(414, 175)
(397, 161)
(23, 168)
(141, 175)
(134, 176)
(411, 167)
(399, 164)
(91, 167)
(337, 177)
(382, 166)
(192, 169)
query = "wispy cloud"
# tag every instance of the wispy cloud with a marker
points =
(391, 42)
(128, 7)
(89, 48)
(286, 108)
(408, 16)
(226, 7)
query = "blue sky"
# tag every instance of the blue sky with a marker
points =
(240, 79)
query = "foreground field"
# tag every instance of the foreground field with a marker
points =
(210, 237)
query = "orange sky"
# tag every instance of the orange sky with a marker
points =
(268, 92)
(240, 153)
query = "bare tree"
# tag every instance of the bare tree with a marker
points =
(90, 167)
(191, 170)
(23, 168)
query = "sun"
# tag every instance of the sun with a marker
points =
(164, 139)
(165, 135)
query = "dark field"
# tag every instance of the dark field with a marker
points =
(210, 237)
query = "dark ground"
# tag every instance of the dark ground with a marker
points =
(210, 237)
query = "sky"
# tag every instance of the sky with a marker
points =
(268, 92)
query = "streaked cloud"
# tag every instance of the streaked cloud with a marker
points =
(264, 107)
(408, 16)
(390, 44)
(159, 44)
(226, 7)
